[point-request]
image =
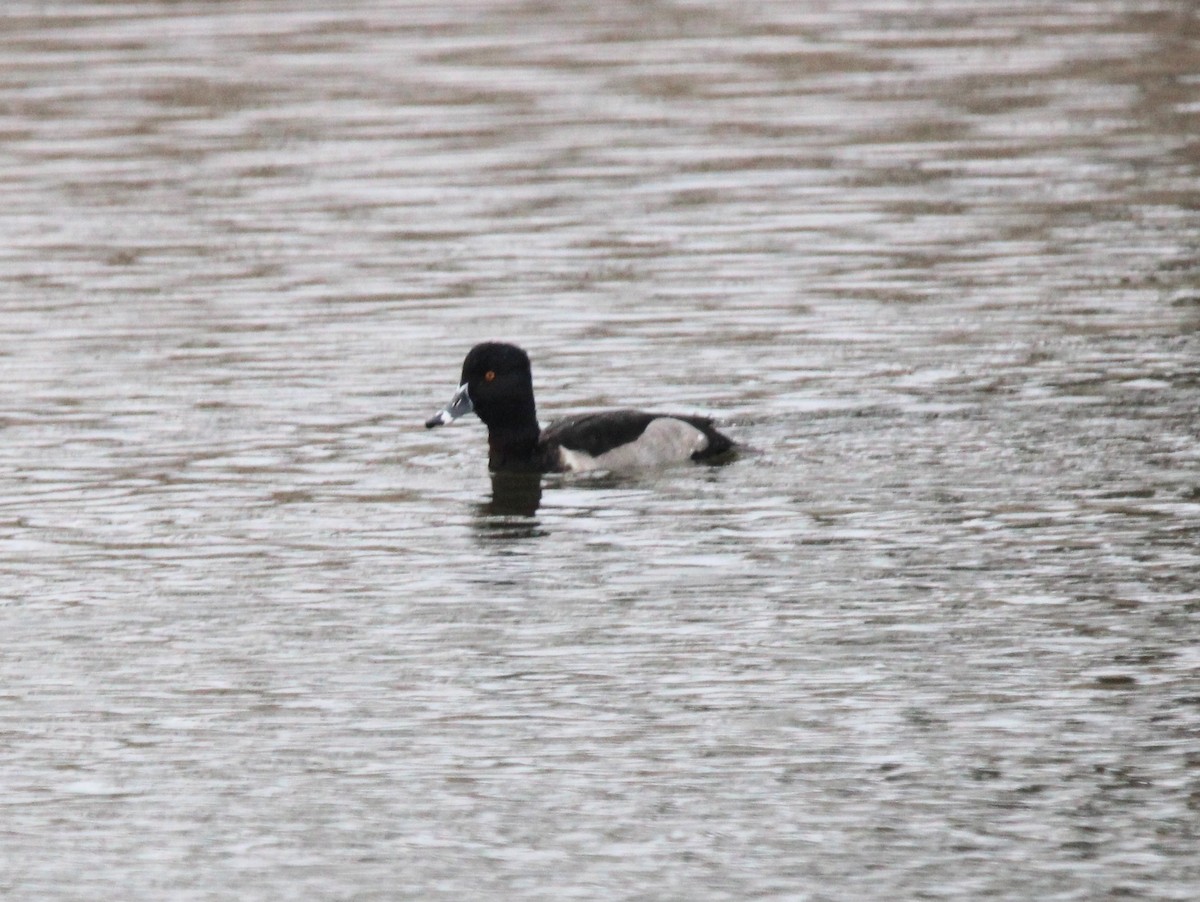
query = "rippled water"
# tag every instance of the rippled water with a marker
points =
(933, 635)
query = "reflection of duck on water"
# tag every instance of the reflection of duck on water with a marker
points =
(514, 495)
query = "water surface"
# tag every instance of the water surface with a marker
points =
(933, 635)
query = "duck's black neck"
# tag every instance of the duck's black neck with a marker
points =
(510, 449)
(513, 437)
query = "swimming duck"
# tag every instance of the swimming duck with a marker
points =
(497, 385)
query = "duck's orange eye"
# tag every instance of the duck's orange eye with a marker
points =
(489, 376)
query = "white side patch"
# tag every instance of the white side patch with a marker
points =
(665, 440)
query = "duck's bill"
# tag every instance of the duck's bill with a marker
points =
(461, 403)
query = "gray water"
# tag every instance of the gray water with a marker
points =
(933, 635)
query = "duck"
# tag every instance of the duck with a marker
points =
(497, 386)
